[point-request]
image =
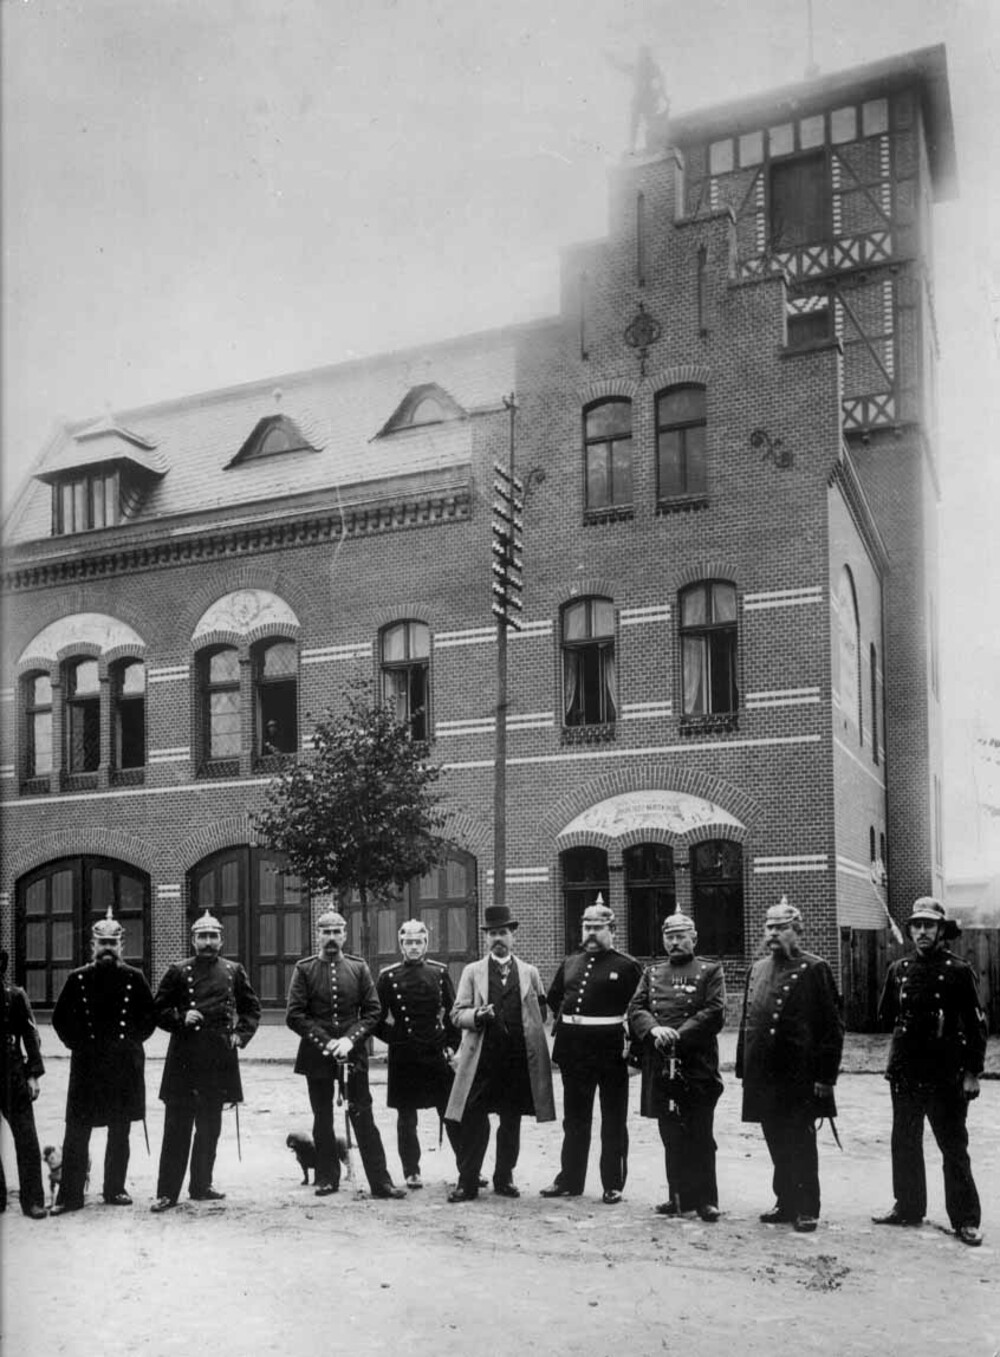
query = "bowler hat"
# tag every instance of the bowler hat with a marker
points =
(498, 916)
(932, 910)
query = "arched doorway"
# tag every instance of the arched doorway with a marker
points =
(58, 903)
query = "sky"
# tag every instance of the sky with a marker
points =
(199, 194)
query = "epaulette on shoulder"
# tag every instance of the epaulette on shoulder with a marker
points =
(349, 956)
(393, 966)
(439, 964)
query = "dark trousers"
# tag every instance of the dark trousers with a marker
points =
(689, 1154)
(579, 1086)
(791, 1140)
(369, 1142)
(946, 1110)
(474, 1139)
(204, 1117)
(408, 1141)
(76, 1160)
(16, 1106)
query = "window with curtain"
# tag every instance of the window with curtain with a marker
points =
(588, 646)
(128, 686)
(708, 635)
(680, 442)
(607, 437)
(83, 716)
(220, 705)
(405, 649)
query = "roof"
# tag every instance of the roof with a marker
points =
(341, 409)
(925, 68)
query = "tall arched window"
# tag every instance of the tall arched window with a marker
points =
(708, 635)
(607, 438)
(650, 895)
(680, 442)
(219, 694)
(588, 646)
(128, 685)
(584, 877)
(83, 716)
(276, 716)
(58, 904)
(717, 897)
(405, 661)
(849, 654)
(38, 725)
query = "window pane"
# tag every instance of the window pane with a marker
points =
(598, 487)
(693, 659)
(694, 460)
(224, 721)
(683, 406)
(267, 934)
(84, 680)
(427, 886)
(292, 934)
(693, 606)
(97, 502)
(621, 466)
(267, 981)
(575, 622)
(458, 930)
(394, 643)
(131, 894)
(41, 744)
(132, 733)
(723, 603)
(135, 941)
(267, 882)
(610, 419)
(79, 506)
(386, 929)
(62, 892)
(229, 884)
(34, 942)
(799, 213)
(722, 651)
(62, 940)
(66, 500)
(670, 470)
(280, 661)
(34, 898)
(428, 411)
(420, 640)
(431, 919)
(41, 691)
(457, 876)
(291, 889)
(134, 679)
(224, 667)
(604, 617)
(111, 513)
(102, 891)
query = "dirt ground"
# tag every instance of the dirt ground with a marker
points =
(273, 1269)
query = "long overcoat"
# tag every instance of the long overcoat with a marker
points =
(417, 999)
(104, 1013)
(473, 992)
(791, 1036)
(201, 1061)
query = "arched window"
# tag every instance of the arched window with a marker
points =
(607, 437)
(708, 635)
(650, 894)
(680, 442)
(717, 897)
(588, 646)
(264, 912)
(405, 649)
(58, 904)
(219, 696)
(584, 877)
(873, 665)
(849, 654)
(37, 690)
(276, 670)
(83, 716)
(128, 685)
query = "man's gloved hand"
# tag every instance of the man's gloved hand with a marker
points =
(485, 1016)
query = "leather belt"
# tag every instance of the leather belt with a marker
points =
(581, 1020)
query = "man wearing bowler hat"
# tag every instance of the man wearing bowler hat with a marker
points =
(503, 1060)
(930, 1003)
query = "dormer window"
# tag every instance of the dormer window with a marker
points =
(86, 501)
(421, 406)
(271, 437)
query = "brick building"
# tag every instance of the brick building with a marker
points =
(725, 688)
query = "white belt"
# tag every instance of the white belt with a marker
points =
(579, 1020)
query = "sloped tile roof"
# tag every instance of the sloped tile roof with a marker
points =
(339, 409)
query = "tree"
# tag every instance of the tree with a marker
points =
(360, 812)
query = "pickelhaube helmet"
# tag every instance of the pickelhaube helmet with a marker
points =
(107, 928)
(678, 923)
(206, 924)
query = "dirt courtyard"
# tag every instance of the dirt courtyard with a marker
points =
(273, 1269)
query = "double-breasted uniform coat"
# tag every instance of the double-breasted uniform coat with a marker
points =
(104, 1014)
(20, 1060)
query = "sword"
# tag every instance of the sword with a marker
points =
(145, 1132)
(345, 1103)
(239, 1148)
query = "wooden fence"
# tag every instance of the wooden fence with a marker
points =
(865, 956)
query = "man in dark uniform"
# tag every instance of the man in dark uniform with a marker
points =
(588, 999)
(103, 1014)
(333, 1007)
(207, 1005)
(675, 1015)
(20, 1070)
(788, 1056)
(930, 1003)
(503, 1061)
(416, 995)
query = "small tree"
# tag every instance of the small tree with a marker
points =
(359, 813)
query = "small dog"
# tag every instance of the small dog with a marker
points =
(302, 1146)
(52, 1155)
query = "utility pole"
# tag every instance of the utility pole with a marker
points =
(508, 583)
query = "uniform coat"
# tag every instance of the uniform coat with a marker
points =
(416, 998)
(791, 1036)
(201, 1061)
(20, 1060)
(327, 1000)
(103, 1014)
(473, 992)
(692, 999)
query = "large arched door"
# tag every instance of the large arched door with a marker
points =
(264, 912)
(57, 905)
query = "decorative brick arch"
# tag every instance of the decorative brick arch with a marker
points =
(82, 843)
(657, 777)
(608, 388)
(233, 831)
(468, 832)
(703, 570)
(230, 580)
(592, 587)
(680, 374)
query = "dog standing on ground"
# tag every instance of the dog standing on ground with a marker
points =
(301, 1145)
